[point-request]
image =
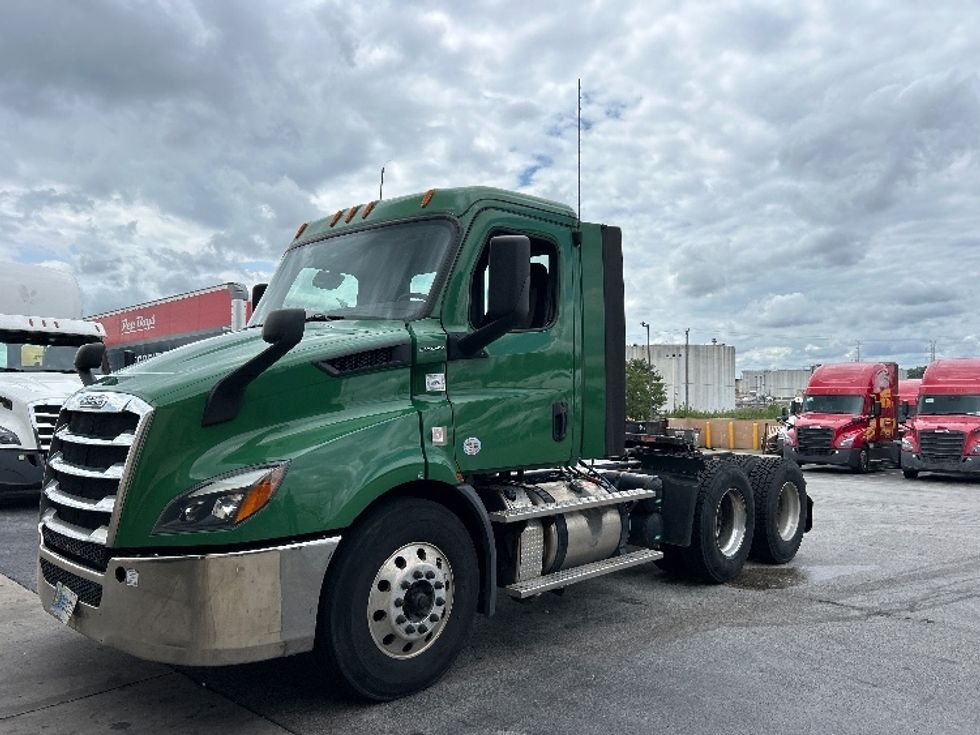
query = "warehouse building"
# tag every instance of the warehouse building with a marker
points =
(780, 385)
(702, 376)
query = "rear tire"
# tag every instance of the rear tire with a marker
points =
(910, 474)
(398, 600)
(724, 520)
(781, 511)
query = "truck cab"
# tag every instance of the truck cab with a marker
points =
(848, 417)
(944, 434)
(36, 367)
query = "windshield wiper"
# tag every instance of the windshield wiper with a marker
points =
(321, 317)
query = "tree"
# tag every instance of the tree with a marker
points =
(645, 393)
(916, 372)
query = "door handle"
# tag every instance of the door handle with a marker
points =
(559, 420)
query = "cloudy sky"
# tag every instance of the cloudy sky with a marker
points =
(792, 179)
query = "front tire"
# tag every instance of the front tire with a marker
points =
(910, 474)
(863, 462)
(399, 599)
(724, 521)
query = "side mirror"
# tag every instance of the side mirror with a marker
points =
(129, 358)
(875, 408)
(509, 294)
(794, 408)
(258, 290)
(283, 329)
(903, 411)
(284, 326)
(88, 358)
(784, 414)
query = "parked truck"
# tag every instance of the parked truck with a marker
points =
(426, 410)
(943, 435)
(139, 332)
(40, 331)
(848, 417)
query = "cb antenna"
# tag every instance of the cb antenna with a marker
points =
(580, 149)
(381, 187)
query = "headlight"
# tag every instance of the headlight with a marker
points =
(223, 502)
(907, 445)
(8, 437)
(847, 442)
(976, 448)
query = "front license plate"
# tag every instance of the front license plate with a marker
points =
(64, 603)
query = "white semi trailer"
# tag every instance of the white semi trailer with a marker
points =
(40, 331)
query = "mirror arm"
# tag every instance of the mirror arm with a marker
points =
(225, 398)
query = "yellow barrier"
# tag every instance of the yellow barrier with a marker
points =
(731, 434)
(755, 436)
(707, 434)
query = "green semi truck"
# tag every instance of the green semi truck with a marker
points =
(426, 411)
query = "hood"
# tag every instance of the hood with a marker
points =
(29, 387)
(829, 420)
(966, 424)
(194, 368)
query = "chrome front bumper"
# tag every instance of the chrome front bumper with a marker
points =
(203, 610)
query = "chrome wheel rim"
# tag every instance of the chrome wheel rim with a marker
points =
(730, 516)
(411, 600)
(788, 511)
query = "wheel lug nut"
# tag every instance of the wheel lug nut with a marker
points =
(400, 619)
(405, 584)
(399, 602)
(430, 574)
(433, 618)
(440, 601)
(423, 629)
(409, 628)
(417, 575)
(437, 585)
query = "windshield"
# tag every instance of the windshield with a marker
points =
(833, 404)
(22, 352)
(945, 405)
(382, 273)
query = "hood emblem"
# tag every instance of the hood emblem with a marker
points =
(92, 400)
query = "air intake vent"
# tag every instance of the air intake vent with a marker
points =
(381, 358)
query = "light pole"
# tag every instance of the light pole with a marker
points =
(647, 326)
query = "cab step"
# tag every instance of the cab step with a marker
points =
(524, 513)
(532, 587)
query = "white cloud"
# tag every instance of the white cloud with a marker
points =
(787, 178)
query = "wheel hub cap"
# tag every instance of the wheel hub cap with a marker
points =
(411, 600)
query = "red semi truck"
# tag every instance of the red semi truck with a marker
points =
(944, 434)
(848, 417)
(908, 392)
(140, 332)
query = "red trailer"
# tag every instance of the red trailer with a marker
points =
(140, 332)
(944, 436)
(849, 416)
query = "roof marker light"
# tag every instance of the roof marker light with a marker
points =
(353, 211)
(368, 209)
(336, 217)
(427, 197)
(301, 230)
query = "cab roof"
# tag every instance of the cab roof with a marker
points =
(952, 375)
(453, 202)
(844, 378)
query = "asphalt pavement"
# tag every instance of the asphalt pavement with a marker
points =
(873, 628)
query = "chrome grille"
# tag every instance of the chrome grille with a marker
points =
(814, 441)
(941, 445)
(44, 416)
(91, 452)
